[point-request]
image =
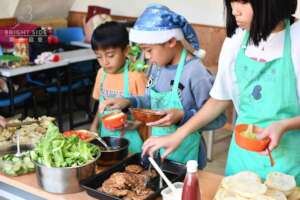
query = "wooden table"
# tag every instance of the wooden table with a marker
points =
(208, 183)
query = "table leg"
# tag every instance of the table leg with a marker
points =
(11, 91)
(70, 97)
(59, 102)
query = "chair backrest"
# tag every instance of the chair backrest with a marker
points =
(69, 34)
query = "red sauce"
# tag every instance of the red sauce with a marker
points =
(191, 190)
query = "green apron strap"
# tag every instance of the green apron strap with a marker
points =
(126, 80)
(101, 96)
(287, 40)
(179, 70)
(102, 79)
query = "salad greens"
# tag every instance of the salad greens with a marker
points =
(55, 150)
(15, 166)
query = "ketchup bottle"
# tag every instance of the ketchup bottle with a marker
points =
(191, 190)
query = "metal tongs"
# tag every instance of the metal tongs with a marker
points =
(146, 163)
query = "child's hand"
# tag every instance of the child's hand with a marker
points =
(2, 121)
(128, 126)
(114, 104)
(171, 117)
(274, 132)
(168, 142)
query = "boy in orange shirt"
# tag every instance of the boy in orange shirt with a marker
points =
(110, 43)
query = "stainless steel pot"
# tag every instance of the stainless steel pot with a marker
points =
(64, 180)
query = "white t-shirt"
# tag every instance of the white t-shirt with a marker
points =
(224, 87)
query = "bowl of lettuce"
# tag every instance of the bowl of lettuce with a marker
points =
(61, 162)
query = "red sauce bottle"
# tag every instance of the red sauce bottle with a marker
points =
(191, 190)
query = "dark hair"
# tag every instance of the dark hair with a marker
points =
(266, 16)
(110, 35)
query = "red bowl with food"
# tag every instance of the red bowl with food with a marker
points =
(245, 137)
(114, 120)
(145, 115)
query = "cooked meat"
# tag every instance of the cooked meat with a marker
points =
(138, 180)
(117, 180)
(116, 184)
(114, 191)
(151, 174)
(128, 184)
(145, 192)
(134, 196)
(135, 169)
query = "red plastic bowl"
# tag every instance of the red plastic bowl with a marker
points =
(114, 120)
(249, 143)
(145, 115)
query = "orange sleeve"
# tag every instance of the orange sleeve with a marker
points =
(96, 90)
(140, 82)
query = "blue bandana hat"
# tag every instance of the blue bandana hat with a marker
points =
(158, 24)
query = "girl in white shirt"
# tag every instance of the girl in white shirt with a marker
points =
(259, 71)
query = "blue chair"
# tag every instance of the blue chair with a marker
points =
(69, 34)
(18, 99)
(21, 98)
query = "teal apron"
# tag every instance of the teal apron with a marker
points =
(133, 135)
(267, 93)
(189, 147)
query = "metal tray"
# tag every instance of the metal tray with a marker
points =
(173, 170)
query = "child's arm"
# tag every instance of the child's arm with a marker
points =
(95, 123)
(208, 112)
(219, 122)
(2, 121)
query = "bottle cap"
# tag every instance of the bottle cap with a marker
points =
(192, 166)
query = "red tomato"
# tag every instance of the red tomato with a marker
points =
(52, 39)
(81, 135)
(55, 58)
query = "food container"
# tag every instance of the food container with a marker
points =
(22, 50)
(117, 153)
(145, 115)
(248, 143)
(66, 179)
(114, 120)
(16, 166)
(167, 193)
(173, 170)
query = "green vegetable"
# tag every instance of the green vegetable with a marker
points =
(15, 166)
(55, 150)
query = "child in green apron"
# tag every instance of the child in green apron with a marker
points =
(259, 72)
(179, 83)
(110, 43)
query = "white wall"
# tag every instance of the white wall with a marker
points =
(298, 10)
(28, 10)
(208, 12)
(8, 8)
(196, 11)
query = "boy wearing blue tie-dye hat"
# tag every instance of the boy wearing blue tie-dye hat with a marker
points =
(179, 84)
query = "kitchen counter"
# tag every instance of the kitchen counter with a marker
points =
(208, 183)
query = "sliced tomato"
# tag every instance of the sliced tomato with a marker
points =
(80, 134)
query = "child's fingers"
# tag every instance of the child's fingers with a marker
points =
(146, 150)
(263, 134)
(165, 121)
(166, 153)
